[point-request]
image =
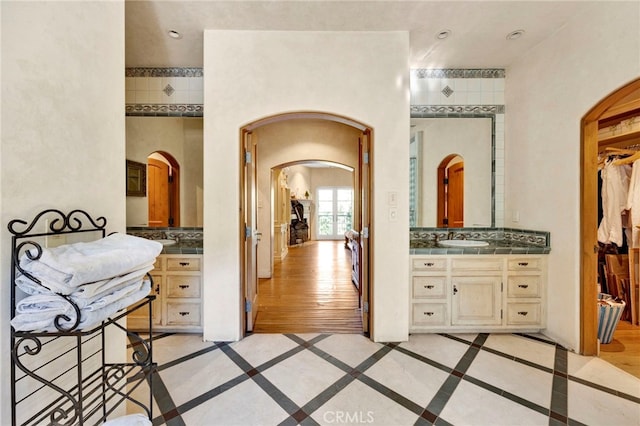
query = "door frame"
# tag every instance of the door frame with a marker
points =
(589, 215)
(365, 263)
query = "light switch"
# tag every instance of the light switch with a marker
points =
(392, 198)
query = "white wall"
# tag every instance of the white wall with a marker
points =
(63, 141)
(548, 91)
(250, 75)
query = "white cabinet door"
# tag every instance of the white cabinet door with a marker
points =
(476, 300)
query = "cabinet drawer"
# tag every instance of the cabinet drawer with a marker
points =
(183, 286)
(183, 264)
(472, 264)
(523, 286)
(429, 264)
(430, 314)
(183, 313)
(525, 264)
(524, 313)
(428, 287)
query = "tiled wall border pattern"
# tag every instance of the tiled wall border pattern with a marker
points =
(524, 236)
(466, 92)
(164, 92)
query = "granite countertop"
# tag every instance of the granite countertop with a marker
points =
(184, 247)
(417, 247)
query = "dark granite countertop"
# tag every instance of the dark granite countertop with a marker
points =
(184, 247)
(422, 247)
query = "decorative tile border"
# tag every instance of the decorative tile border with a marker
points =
(177, 110)
(455, 109)
(459, 73)
(163, 72)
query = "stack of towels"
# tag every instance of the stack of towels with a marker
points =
(101, 277)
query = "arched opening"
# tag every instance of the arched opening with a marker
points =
(163, 182)
(313, 140)
(615, 108)
(451, 192)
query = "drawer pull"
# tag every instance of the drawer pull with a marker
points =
(428, 264)
(523, 285)
(428, 314)
(523, 313)
(183, 286)
(455, 290)
(523, 263)
(183, 313)
(158, 289)
(184, 263)
(429, 286)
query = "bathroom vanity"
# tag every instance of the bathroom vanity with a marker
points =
(498, 287)
(177, 281)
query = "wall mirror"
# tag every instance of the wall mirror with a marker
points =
(179, 141)
(440, 144)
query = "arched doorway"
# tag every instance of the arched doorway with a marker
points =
(252, 135)
(618, 104)
(163, 180)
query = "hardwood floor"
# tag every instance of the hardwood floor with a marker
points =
(310, 292)
(624, 349)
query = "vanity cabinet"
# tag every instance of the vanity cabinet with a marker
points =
(476, 292)
(177, 284)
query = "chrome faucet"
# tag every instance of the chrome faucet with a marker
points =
(450, 235)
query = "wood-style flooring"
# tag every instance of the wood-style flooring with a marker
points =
(310, 291)
(624, 349)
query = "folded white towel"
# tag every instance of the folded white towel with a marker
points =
(86, 293)
(62, 269)
(38, 312)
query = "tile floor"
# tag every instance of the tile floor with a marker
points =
(339, 379)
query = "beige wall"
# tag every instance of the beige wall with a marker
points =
(548, 91)
(63, 143)
(180, 137)
(305, 71)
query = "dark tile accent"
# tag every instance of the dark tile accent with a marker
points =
(441, 422)
(559, 417)
(300, 415)
(605, 389)
(572, 422)
(164, 401)
(559, 398)
(426, 414)
(252, 372)
(441, 398)
(424, 359)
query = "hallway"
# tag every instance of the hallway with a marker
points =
(310, 291)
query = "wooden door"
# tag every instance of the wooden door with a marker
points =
(455, 195)
(250, 230)
(365, 206)
(158, 193)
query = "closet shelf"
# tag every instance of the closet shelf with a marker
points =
(621, 140)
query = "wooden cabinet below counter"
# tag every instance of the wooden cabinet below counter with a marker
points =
(177, 284)
(477, 293)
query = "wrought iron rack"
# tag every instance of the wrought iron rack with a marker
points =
(64, 377)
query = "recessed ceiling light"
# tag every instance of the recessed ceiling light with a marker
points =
(174, 34)
(441, 35)
(515, 34)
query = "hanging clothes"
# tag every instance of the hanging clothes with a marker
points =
(615, 192)
(633, 204)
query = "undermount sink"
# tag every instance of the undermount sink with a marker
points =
(166, 242)
(462, 243)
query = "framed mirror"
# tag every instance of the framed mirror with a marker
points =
(452, 170)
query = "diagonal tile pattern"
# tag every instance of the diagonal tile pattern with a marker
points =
(323, 379)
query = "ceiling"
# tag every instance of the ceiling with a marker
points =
(478, 28)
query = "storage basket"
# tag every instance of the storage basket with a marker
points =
(610, 311)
